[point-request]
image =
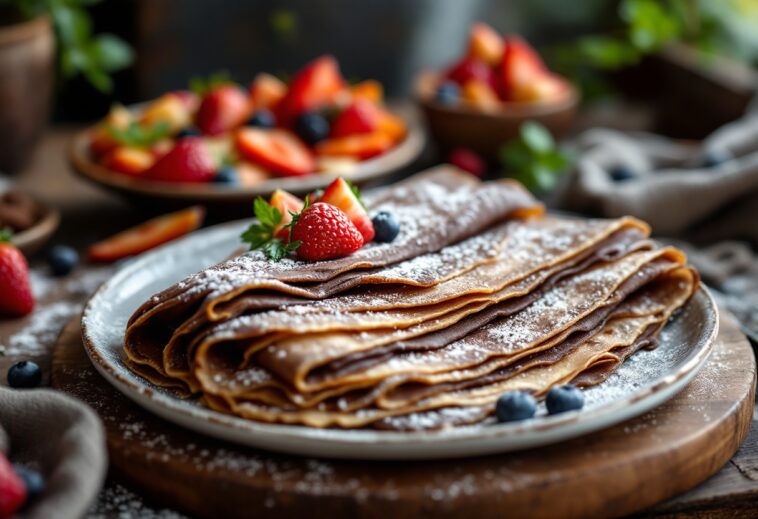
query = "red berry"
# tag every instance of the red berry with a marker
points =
(470, 68)
(341, 195)
(325, 233)
(12, 490)
(188, 161)
(16, 297)
(222, 109)
(467, 160)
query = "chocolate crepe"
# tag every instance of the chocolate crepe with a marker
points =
(479, 294)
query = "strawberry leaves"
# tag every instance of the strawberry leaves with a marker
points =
(261, 235)
(5, 235)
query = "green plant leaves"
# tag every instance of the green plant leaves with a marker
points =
(81, 52)
(533, 158)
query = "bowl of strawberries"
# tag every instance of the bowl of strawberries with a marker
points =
(481, 101)
(222, 144)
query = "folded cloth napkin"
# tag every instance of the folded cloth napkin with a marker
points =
(61, 437)
(705, 193)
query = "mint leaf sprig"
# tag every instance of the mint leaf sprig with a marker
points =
(534, 158)
(136, 135)
(203, 85)
(261, 235)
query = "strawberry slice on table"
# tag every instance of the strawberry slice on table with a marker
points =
(362, 146)
(147, 235)
(129, 160)
(16, 297)
(188, 161)
(222, 109)
(322, 232)
(520, 66)
(266, 91)
(286, 204)
(276, 150)
(13, 493)
(347, 198)
(317, 84)
(360, 117)
(485, 44)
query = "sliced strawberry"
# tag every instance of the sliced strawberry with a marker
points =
(362, 146)
(147, 235)
(188, 161)
(325, 232)
(318, 84)
(467, 160)
(370, 90)
(13, 493)
(129, 160)
(266, 91)
(520, 66)
(469, 68)
(341, 195)
(485, 44)
(480, 94)
(360, 117)
(224, 108)
(287, 204)
(276, 150)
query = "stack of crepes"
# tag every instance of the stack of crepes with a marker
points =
(480, 293)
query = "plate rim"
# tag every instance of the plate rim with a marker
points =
(460, 442)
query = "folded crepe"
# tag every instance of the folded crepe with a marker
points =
(481, 293)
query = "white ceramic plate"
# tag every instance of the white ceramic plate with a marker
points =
(642, 383)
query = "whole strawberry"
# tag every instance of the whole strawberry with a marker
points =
(325, 232)
(12, 490)
(16, 297)
(188, 161)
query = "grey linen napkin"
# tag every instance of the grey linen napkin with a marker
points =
(684, 193)
(61, 437)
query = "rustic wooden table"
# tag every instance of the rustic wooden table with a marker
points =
(90, 214)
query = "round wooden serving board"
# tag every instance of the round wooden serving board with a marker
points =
(613, 472)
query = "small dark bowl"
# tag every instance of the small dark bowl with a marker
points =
(484, 131)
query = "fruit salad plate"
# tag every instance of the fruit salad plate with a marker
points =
(374, 169)
(645, 381)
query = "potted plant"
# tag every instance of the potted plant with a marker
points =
(29, 31)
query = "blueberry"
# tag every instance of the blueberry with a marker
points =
(448, 93)
(716, 157)
(564, 398)
(312, 127)
(62, 260)
(263, 119)
(385, 227)
(515, 405)
(226, 175)
(622, 173)
(33, 481)
(24, 374)
(188, 132)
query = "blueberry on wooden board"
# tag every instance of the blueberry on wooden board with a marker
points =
(25, 374)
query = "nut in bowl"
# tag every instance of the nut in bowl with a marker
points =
(222, 143)
(481, 101)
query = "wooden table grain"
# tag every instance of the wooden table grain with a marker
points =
(90, 214)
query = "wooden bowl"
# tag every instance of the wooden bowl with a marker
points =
(35, 237)
(484, 131)
(237, 199)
